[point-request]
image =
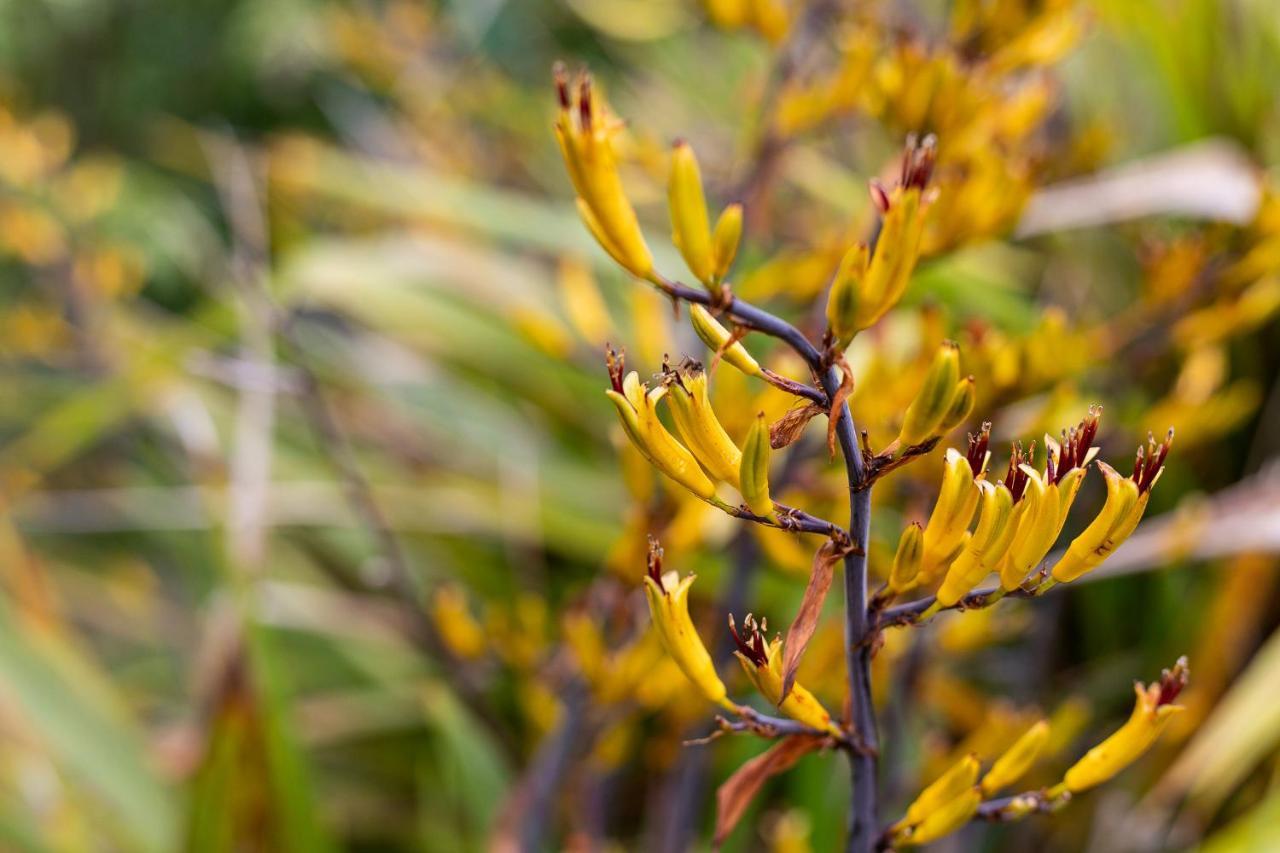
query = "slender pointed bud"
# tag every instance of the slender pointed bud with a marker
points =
(947, 529)
(754, 472)
(585, 136)
(1151, 713)
(906, 561)
(1120, 514)
(934, 400)
(989, 541)
(762, 662)
(958, 779)
(637, 409)
(725, 239)
(947, 819)
(668, 598)
(842, 300)
(966, 394)
(715, 336)
(1017, 759)
(697, 424)
(690, 228)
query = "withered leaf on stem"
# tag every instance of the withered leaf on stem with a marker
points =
(738, 790)
(806, 621)
(837, 402)
(787, 428)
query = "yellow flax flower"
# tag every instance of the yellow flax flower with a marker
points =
(668, 597)
(898, 247)
(1126, 502)
(585, 132)
(697, 423)
(637, 407)
(1017, 759)
(988, 543)
(762, 661)
(947, 819)
(1151, 713)
(1047, 499)
(947, 531)
(943, 806)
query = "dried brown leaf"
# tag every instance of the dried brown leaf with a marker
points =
(806, 621)
(837, 402)
(738, 790)
(787, 428)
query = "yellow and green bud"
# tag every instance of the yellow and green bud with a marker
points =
(906, 560)
(690, 228)
(715, 336)
(938, 397)
(754, 470)
(843, 297)
(725, 239)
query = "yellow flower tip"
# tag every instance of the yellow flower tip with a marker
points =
(935, 398)
(697, 423)
(907, 559)
(690, 229)
(753, 473)
(725, 239)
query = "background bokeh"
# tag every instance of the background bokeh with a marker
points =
(317, 530)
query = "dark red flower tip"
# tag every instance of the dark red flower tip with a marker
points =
(1076, 444)
(655, 561)
(1172, 682)
(1149, 461)
(616, 362)
(977, 453)
(751, 641)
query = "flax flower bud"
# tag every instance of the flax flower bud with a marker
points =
(698, 425)
(966, 395)
(906, 561)
(754, 473)
(725, 239)
(762, 662)
(947, 819)
(585, 132)
(1017, 759)
(1151, 713)
(637, 408)
(690, 228)
(934, 401)
(1126, 502)
(959, 779)
(715, 336)
(668, 597)
(948, 528)
(988, 542)
(843, 297)
(898, 246)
